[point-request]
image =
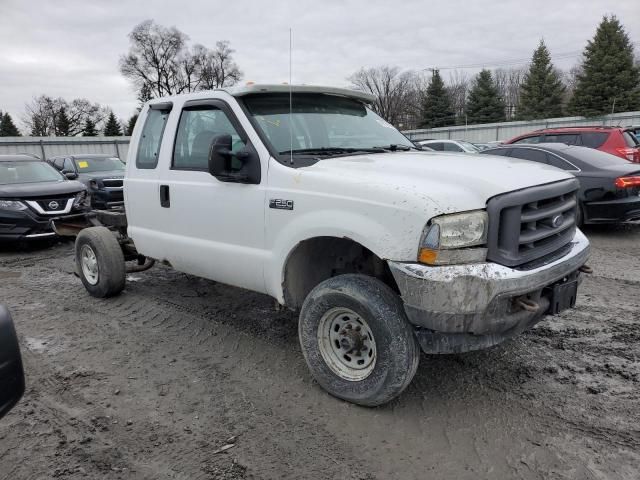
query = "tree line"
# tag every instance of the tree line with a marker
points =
(161, 62)
(606, 81)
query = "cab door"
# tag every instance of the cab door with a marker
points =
(210, 228)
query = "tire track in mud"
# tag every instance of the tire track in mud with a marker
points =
(197, 348)
(175, 323)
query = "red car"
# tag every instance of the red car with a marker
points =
(618, 141)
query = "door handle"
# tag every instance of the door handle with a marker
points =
(165, 201)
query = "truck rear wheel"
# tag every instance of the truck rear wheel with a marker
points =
(357, 340)
(100, 262)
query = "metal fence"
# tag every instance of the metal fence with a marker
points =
(489, 132)
(46, 147)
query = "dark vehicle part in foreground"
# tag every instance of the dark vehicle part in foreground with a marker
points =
(11, 371)
(103, 175)
(32, 193)
(609, 186)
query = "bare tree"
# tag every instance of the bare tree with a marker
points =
(43, 113)
(509, 82)
(395, 91)
(160, 63)
(458, 85)
(217, 68)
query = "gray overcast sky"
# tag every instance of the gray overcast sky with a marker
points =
(70, 48)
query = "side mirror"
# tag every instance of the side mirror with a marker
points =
(242, 166)
(70, 175)
(11, 372)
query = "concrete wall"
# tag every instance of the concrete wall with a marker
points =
(53, 146)
(504, 131)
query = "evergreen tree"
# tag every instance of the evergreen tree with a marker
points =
(89, 129)
(112, 128)
(484, 104)
(63, 125)
(38, 128)
(542, 91)
(436, 106)
(132, 123)
(609, 80)
(7, 127)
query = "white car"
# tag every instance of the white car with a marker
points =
(459, 146)
(324, 206)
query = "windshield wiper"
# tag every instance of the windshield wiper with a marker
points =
(398, 147)
(331, 151)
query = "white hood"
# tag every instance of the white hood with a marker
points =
(452, 181)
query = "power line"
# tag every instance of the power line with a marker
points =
(504, 63)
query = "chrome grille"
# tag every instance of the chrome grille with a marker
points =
(531, 223)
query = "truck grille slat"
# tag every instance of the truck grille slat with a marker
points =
(531, 223)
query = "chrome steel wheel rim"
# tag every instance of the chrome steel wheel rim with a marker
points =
(347, 344)
(89, 264)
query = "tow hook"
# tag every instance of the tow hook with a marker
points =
(586, 269)
(527, 304)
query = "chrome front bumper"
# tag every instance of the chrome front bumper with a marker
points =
(479, 299)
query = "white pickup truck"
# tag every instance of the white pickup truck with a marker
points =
(306, 195)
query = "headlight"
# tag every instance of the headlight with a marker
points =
(12, 205)
(82, 200)
(448, 239)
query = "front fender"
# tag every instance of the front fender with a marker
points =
(385, 242)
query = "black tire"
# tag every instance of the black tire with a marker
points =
(109, 259)
(397, 352)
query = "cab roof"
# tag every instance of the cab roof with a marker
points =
(256, 89)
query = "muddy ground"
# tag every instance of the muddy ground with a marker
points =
(151, 384)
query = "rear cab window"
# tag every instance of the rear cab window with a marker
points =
(151, 139)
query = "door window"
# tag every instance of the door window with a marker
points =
(566, 138)
(530, 154)
(452, 147)
(532, 139)
(149, 146)
(198, 126)
(58, 163)
(68, 165)
(438, 146)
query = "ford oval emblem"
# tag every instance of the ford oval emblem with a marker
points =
(53, 205)
(557, 220)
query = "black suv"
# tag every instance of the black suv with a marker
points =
(102, 174)
(31, 194)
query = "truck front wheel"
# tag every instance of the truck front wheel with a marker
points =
(100, 262)
(357, 340)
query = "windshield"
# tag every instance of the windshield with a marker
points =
(321, 122)
(98, 164)
(469, 146)
(27, 172)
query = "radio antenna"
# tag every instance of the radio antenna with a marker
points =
(290, 99)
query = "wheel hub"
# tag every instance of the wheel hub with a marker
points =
(89, 264)
(347, 344)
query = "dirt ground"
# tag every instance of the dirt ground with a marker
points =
(153, 383)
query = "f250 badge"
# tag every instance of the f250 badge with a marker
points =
(281, 204)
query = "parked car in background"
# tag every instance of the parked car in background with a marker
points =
(617, 141)
(609, 186)
(31, 194)
(102, 174)
(459, 146)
